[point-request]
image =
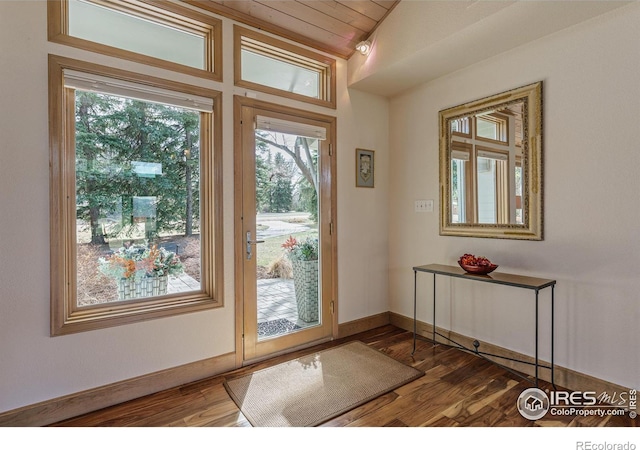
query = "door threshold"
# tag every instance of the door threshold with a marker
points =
(249, 362)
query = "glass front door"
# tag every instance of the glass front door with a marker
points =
(286, 302)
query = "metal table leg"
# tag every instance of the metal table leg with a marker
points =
(415, 286)
(553, 382)
(537, 362)
(434, 309)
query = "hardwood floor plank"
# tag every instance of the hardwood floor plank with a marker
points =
(507, 403)
(484, 417)
(623, 421)
(162, 414)
(396, 423)
(420, 400)
(379, 335)
(440, 421)
(481, 398)
(212, 415)
(131, 412)
(215, 394)
(361, 411)
(467, 371)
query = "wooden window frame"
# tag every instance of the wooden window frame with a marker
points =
(165, 13)
(66, 316)
(469, 177)
(292, 54)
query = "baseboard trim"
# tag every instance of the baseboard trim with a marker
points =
(564, 378)
(364, 324)
(61, 408)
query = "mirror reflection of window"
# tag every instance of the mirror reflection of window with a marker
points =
(487, 129)
(485, 149)
(494, 126)
(460, 125)
(487, 191)
(458, 187)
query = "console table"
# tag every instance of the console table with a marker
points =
(535, 284)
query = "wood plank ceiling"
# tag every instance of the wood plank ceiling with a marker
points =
(334, 27)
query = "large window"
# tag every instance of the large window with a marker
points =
(132, 197)
(157, 33)
(269, 65)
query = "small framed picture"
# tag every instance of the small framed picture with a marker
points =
(365, 168)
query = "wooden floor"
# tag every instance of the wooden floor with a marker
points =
(458, 389)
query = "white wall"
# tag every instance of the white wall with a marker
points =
(36, 367)
(591, 210)
(363, 224)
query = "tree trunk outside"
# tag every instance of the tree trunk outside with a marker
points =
(97, 234)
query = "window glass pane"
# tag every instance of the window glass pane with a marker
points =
(460, 125)
(487, 129)
(289, 259)
(487, 203)
(124, 31)
(458, 203)
(137, 198)
(278, 74)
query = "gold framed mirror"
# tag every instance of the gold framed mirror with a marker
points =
(491, 166)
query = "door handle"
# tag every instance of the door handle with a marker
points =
(250, 243)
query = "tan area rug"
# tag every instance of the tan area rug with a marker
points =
(313, 389)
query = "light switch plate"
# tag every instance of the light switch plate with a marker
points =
(423, 206)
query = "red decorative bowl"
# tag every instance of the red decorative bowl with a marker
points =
(480, 270)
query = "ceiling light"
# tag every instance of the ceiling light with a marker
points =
(364, 47)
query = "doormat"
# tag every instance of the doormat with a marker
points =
(274, 327)
(312, 389)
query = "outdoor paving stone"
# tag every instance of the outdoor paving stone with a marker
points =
(276, 300)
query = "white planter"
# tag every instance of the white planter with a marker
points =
(131, 288)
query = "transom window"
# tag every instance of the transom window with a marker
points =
(493, 127)
(272, 66)
(158, 33)
(133, 230)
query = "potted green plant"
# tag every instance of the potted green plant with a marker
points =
(304, 262)
(141, 270)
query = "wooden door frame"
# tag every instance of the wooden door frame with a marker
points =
(327, 175)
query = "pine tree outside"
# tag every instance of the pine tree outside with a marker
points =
(137, 180)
